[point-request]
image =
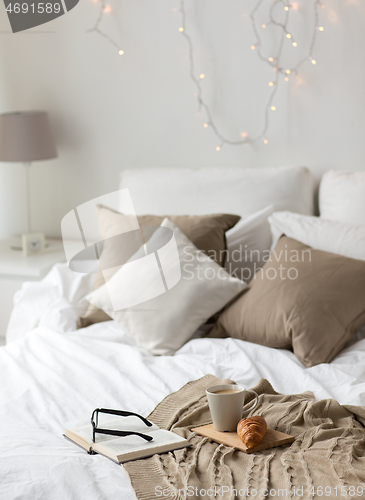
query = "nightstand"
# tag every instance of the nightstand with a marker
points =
(15, 269)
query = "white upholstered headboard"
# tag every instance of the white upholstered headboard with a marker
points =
(175, 191)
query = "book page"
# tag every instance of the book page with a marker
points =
(130, 444)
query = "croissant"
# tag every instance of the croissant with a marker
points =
(251, 430)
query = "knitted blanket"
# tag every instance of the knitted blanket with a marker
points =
(326, 460)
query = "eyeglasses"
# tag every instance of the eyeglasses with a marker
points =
(121, 413)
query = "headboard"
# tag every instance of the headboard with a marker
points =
(175, 191)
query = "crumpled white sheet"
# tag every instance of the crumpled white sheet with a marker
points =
(54, 379)
(55, 302)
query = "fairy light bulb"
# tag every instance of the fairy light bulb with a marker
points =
(107, 9)
(288, 35)
(295, 44)
(266, 141)
(286, 8)
(202, 76)
(314, 62)
(321, 28)
(181, 29)
(217, 148)
(271, 59)
(286, 78)
(121, 52)
(205, 125)
(273, 108)
(253, 47)
(271, 84)
(263, 26)
(244, 134)
(288, 71)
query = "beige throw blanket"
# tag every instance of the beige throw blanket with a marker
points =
(327, 459)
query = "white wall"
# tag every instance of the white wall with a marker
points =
(138, 110)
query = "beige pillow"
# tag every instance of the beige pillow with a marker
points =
(302, 299)
(206, 232)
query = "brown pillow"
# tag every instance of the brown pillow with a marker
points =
(207, 232)
(302, 299)
(92, 315)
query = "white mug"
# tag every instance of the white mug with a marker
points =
(226, 405)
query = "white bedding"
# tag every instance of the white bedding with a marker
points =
(54, 378)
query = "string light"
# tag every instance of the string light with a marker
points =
(280, 72)
(104, 9)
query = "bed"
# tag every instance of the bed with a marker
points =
(54, 375)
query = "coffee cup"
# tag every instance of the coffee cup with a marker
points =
(226, 405)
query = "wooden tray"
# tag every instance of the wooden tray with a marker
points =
(270, 440)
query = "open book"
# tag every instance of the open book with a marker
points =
(123, 449)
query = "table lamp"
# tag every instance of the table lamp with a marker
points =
(27, 137)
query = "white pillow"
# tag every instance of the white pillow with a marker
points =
(327, 235)
(342, 196)
(248, 244)
(164, 323)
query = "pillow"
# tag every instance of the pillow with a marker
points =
(305, 299)
(248, 245)
(207, 232)
(164, 323)
(92, 315)
(342, 196)
(328, 235)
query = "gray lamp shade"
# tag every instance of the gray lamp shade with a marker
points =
(26, 137)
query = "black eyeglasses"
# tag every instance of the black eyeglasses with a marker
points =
(121, 413)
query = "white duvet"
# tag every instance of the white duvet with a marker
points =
(53, 377)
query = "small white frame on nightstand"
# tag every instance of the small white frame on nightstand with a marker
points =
(15, 269)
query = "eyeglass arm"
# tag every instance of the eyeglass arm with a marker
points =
(120, 433)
